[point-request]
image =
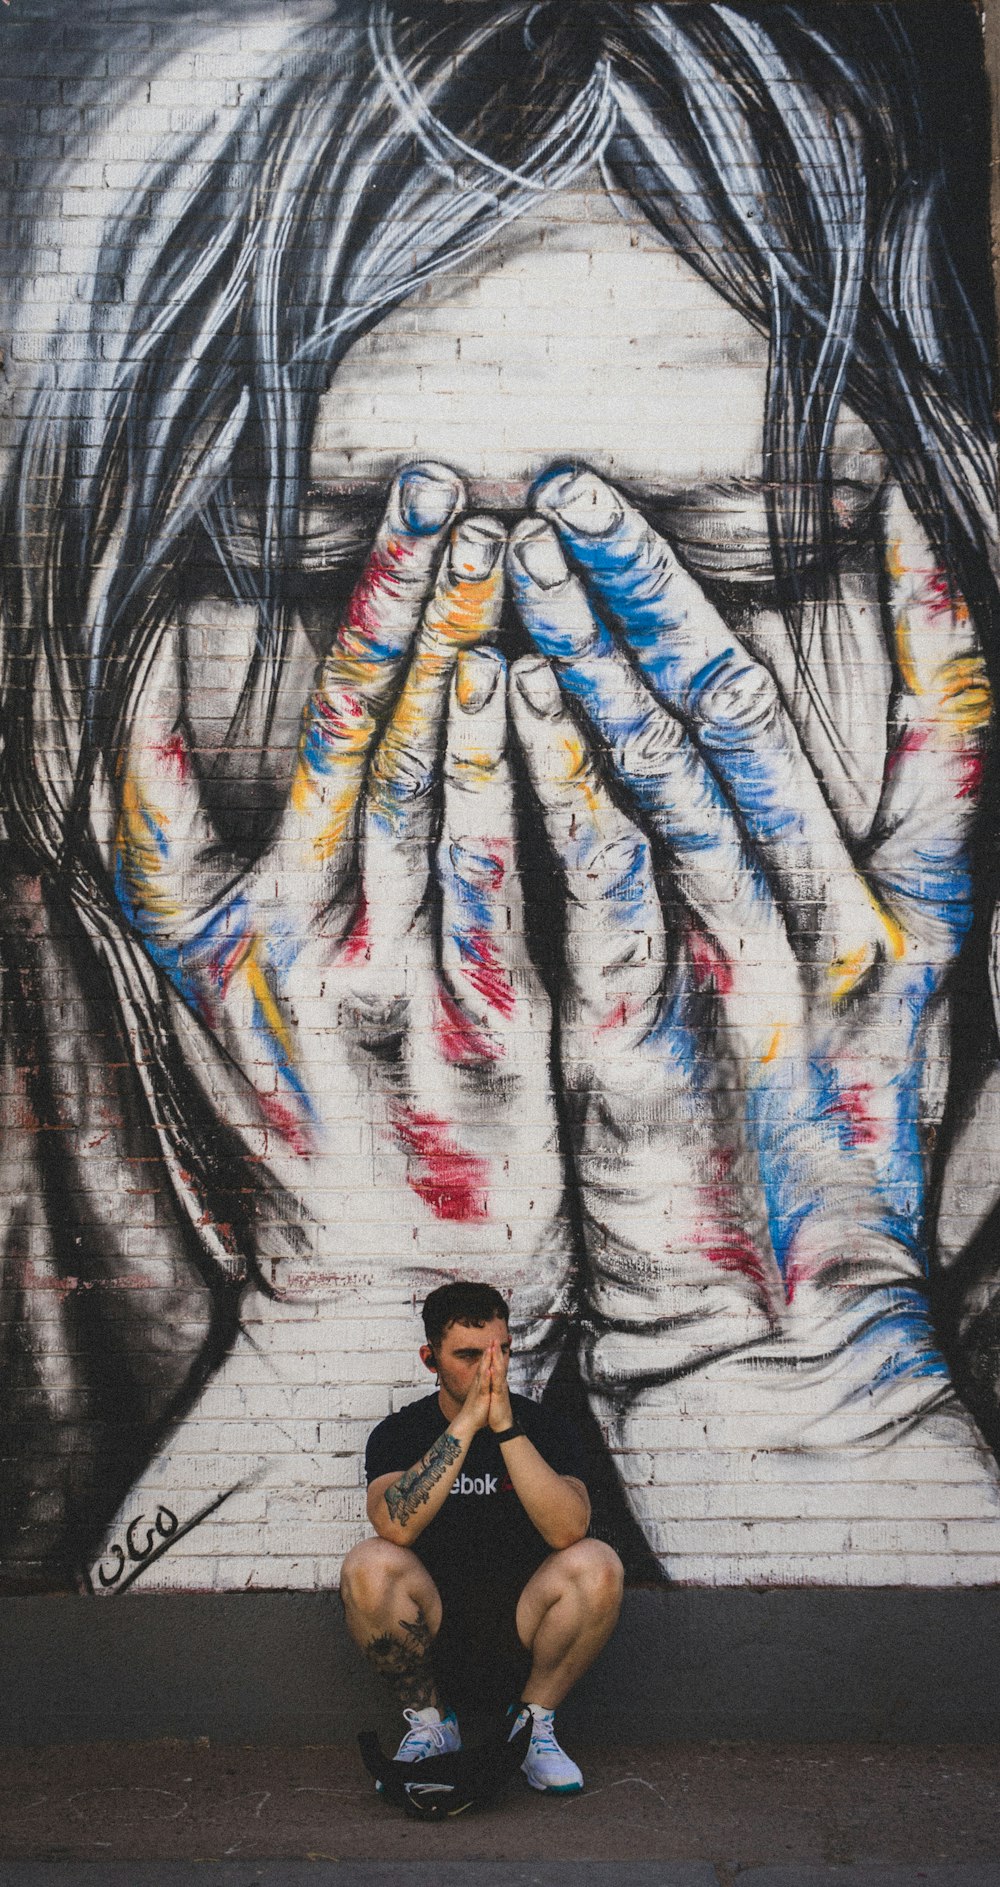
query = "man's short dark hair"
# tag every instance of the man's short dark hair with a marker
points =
(461, 1303)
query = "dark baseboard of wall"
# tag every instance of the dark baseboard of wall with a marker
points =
(272, 1667)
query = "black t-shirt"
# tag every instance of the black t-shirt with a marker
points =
(481, 1536)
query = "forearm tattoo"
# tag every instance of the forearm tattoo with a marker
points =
(405, 1663)
(414, 1487)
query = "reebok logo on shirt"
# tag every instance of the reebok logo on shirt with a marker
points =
(475, 1484)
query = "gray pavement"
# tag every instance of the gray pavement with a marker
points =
(174, 1814)
(483, 1874)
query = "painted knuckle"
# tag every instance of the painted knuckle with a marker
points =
(741, 701)
(649, 746)
(400, 778)
(471, 771)
(338, 718)
(619, 869)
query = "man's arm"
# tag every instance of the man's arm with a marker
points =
(400, 1506)
(557, 1504)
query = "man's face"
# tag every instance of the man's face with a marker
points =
(460, 1352)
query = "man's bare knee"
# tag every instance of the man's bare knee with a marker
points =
(371, 1570)
(596, 1573)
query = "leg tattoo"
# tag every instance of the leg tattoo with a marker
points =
(405, 1662)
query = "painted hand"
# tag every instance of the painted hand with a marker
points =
(750, 1007)
(360, 1000)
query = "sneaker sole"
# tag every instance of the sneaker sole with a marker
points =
(554, 1788)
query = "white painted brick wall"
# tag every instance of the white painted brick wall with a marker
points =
(576, 333)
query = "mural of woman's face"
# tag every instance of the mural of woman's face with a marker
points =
(556, 904)
(580, 334)
(577, 333)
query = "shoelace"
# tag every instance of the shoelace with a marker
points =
(434, 1733)
(543, 1735)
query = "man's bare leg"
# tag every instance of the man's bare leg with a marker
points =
(393, 1611)
(565, 1615)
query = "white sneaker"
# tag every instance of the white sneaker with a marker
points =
(547, 1766)
(429, 1734)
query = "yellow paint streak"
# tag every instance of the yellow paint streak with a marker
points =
(139, 854)
(578, 772)
(342, 812)
(894, 564)
(904, 654)
(467, 610)
(895, 934)
(479, 762)
(847, 971)
(260, 989)
(965, 694)
(773, 1048)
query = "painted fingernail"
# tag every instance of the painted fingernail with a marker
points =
(585, 503)
(428, 494)
(475, 546)
(539, 688)
(476, 679)
(539, 553)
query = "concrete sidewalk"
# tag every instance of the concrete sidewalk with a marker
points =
(482, 1874)
(670, 1815)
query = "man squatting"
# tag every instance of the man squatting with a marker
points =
(481, 1564)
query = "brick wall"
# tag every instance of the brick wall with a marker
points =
(639, 965)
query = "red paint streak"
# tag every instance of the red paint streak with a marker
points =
(459, 1040)
(287, 1124)
(378, 581)
(488, 978)
(339, 712)
(797, 1271)
(493, 876)
(709, 968)
(449, 1180)
(357, 943)
(225, 963)
(852, 1108)
(940, 597)
(721, 1238)
(621, 1014)
(970, 773)
(910, 741)
(174, 756)
(735, 1252)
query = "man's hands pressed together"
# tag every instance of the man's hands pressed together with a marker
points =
(472, 1365)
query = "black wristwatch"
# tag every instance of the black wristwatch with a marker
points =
(507, 1434)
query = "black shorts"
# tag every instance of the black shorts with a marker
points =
(477, 1655)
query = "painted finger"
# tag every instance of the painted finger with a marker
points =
(658, 763)
(482, 915)
(734, 707)
(401, 797)
(165, 879)
(615, 944)
(357, 683)
(939, 723)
